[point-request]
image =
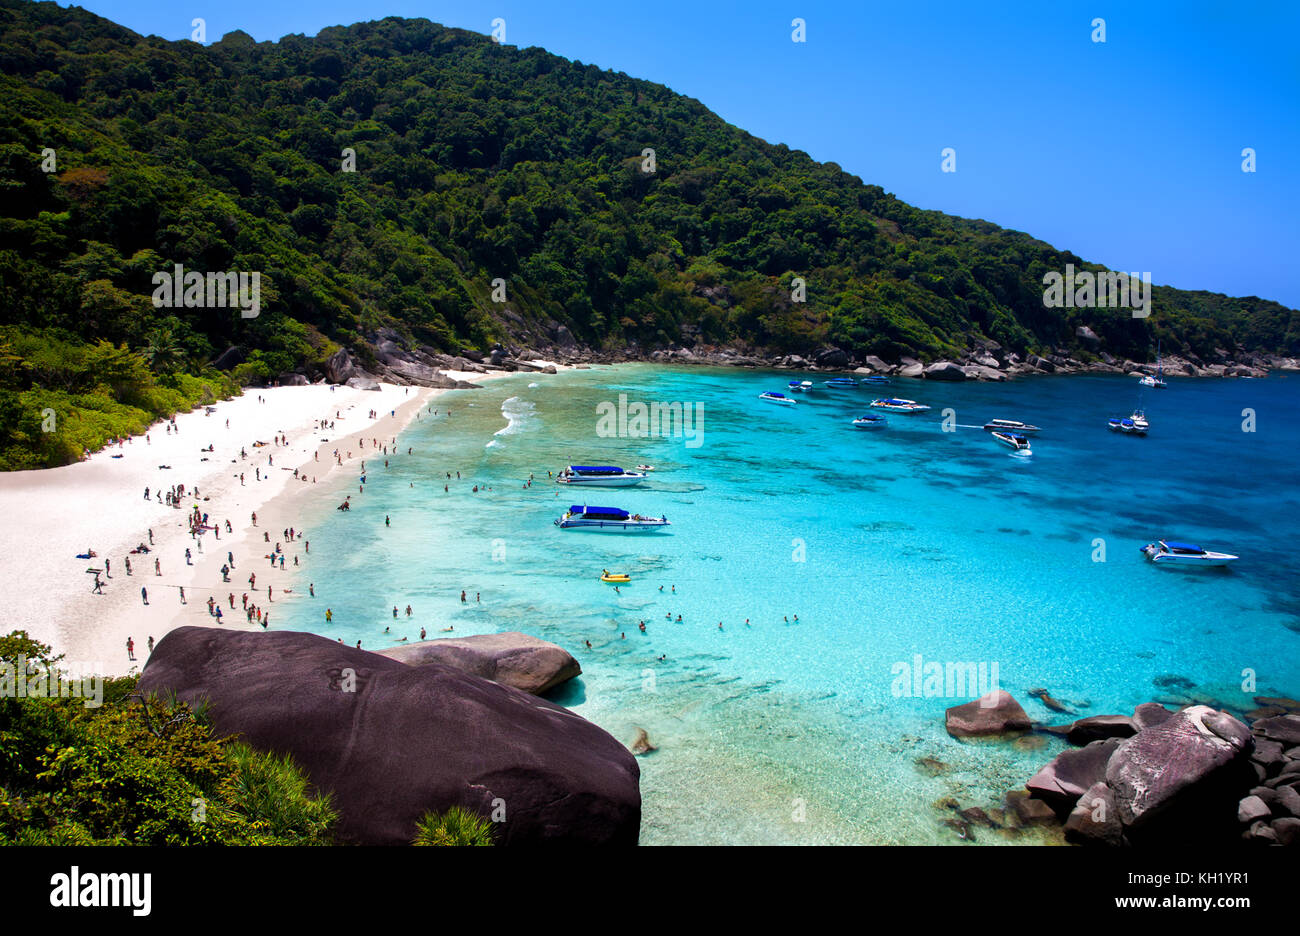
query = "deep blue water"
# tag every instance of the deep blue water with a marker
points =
(885, 544)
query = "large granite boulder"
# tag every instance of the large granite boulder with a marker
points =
(993, 713)
(392, 741)
(944, 370)
(1185, 775)
(339, 367)
(512, 659)
(1070, 774)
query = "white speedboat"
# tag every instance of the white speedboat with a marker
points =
(599, 476)
(893, 405)
(1168, 552)
(871, 421)
(608, 520)
(1157, 379)
(1009, 425)
(781, 398)
(799, 386)
(1014, 440)
(875, 380)
(841, 383)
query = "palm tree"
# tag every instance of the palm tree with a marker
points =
(162, 351)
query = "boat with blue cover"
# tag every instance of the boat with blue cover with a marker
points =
(875, 380)
(841, 383)
(871, 421)
(893, 405)
(799, 386)
(599, 476)
(1171, 553)
(773, 397)
(609, 520)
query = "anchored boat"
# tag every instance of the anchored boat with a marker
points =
(799, 386)
(871, 421)
(899, 406)
(841, 383)
(1168, 552)
(875, 379)
(1009, 425)
(1014, 440)
(781, 398)
(599, 476)
(608, 519)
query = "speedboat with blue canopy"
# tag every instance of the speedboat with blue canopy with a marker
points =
(608, 519)
(1170, 552)
(841, 383)
(893, 405)
(599, 476)
(871, 421)
(772, 397)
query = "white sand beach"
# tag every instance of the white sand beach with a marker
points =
(53, 515)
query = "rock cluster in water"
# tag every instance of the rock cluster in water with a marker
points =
(1195, 776)
(391, 742)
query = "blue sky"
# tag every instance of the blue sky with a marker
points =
(1126, 152)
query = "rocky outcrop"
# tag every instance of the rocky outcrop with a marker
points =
(391, 741)
(512, 659)
(339, 367)
(229, 359)
(363, 383)
(944, 370)
(1087, 337)
(994, 713)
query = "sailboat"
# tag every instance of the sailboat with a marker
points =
(1157, 380)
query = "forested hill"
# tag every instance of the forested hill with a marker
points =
(475, 161)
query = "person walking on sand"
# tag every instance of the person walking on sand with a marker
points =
(130, 649)
(157, 567)
(182, 594)
(254, 518)
(128, 565)
(144, 594)
(151, 643)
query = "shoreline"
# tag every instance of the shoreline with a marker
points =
(54, 514)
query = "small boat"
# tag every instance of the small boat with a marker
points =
(608, 519)
(1127, 425)
(893, 405)
(1009, 425)
(1140, 422)
(645, 467)
(1168, 552)
(1014, 440)
(875, 379)
(781, 398)
(799, 386)
(871, 421)
(841, 383)
(1156, 380)
(598, 476)
(615, 578)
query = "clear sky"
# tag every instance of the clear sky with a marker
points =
(1127, 152)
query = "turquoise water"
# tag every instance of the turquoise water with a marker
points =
(885, 544)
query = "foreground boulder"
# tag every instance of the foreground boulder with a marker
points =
(1181, 776)
(512, 659)
(994, 713)
(392, 741)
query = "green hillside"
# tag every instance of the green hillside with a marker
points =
(473, 162)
